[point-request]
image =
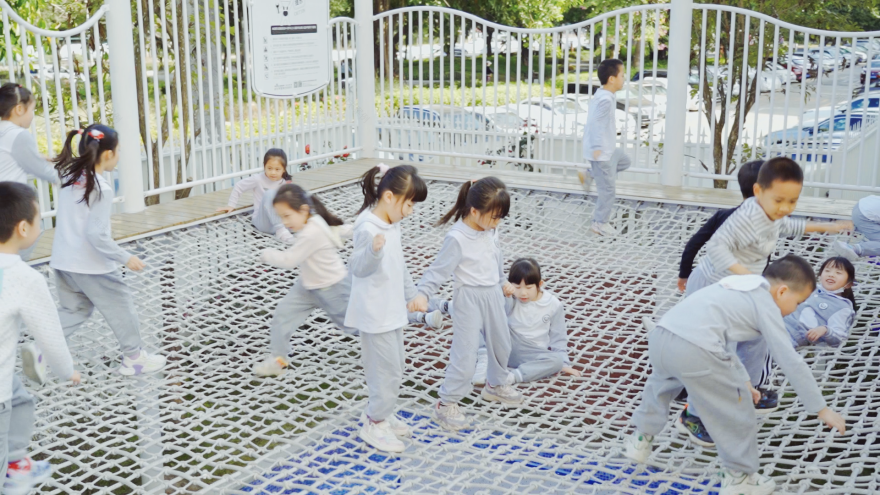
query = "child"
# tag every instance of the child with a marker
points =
(273, 176)
(24, 298)
(866, 217)
(600, 135)
(691, 347)
(85, 257)
(741, 246)
(472, 253)
(324, 281)
(19, 156)
(380, 288)
(539, 343)
(746, 177)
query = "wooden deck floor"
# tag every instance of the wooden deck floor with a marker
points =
(203, 207)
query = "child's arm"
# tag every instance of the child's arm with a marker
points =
(836, 331)
(693, 246)
(437, 274)
(559, 334)
(829, 227)
(98, 230)
(302, 248)
(365, 259)
(506, 287)
(409, 287)
(242, 186)
(24, 151)
(39, 315)
(732, 234)
(604, 112)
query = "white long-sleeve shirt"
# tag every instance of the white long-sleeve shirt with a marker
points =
(600, 131)
(316, 251)
(83, 242)
(259, 184)
(747, 237)
(541, 322)
(19, 156)
(473, 257)
(381, 284)
(25, 298)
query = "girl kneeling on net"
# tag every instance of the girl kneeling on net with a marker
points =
(85, 257)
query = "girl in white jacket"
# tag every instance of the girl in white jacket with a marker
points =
(381, 286)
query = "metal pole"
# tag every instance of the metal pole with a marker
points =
(680, 15)
(125, 104)
(365, 78)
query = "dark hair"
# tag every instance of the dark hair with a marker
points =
(403, 181)
(12, 94)
(95, 140)
(793, 271)
(847, 266)
(281, 155)
(607, 68)
(296, 197)
(747, 176)
(486, 195)
(525, 270)
(18, 202)
(782, 169)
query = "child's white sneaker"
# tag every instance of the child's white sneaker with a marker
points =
(603, 229)
(143, 363)
(505, 394)
(272, 366)
(24, 475)
(638, 447)
(586, 180)
(648, 323)
(398, 427)
(845, 250)
(32, 363)
(434, 319)
(482, 368)
(450, 417)
(737, 483)
(380, 436)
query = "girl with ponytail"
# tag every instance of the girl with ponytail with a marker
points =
(85, 257)
(828, 314)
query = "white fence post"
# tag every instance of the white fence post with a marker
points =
(365, 77)
(680, 16)
(125, 104)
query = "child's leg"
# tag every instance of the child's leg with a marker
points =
(5, 419)
(755, 357)
(383, 358)
(869, 229)
(653, 412)
(74, 307)
(606, 177)
(463, 353)
(696, 281)
(621, 160)
(112, 297)
(21, 421)
(532, 362)
(497, 334)
(291, 312)
(334, 301)
(437, 304)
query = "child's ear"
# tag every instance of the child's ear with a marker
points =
(388, 196)
(756, 189)
(541, 284)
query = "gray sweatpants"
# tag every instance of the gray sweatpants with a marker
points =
(478, 311)
(298, 304)
(80, 293)
(532, 362)
(755, 357)
(714, 384)
(869, 229)
(16, 425)
(605, 176)
(383, 359)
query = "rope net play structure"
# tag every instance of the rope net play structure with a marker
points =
(207, 424)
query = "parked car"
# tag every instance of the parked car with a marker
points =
(797, 69)
(865, 104)
(832, 128)
(625, 117)
(874, 67)
(566, 114)
(660, 86)
(649, 73)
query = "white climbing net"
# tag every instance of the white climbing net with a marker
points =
(208, 425)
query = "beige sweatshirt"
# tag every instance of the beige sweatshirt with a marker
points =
(315, 251)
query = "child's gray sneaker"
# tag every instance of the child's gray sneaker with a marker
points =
(737, 483)
(505, 394)
(450, 417)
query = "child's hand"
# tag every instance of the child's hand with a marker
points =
(135, 264)
(225, 209)
(833, 420)
(378, 242)
(419, 304)
(816, 333)
(597, 154)
(682, 284)
(756, 394)
(76, 378)
(568, 370)
(508, 289)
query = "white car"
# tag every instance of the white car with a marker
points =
(660, 87)
(858, 105)
(566, 114)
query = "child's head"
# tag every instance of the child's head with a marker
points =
(748, 176)
(612, 74)
(17, 104)
(96, 153)
(394, 190)
(836, 273)
(779, 185)
(791, 282)
(19, 216)
(275, 164)
(525, 275)
(485, 202)
(294, 205)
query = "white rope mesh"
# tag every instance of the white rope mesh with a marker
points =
(208, 425)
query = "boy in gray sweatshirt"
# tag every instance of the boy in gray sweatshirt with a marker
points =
(694, 346)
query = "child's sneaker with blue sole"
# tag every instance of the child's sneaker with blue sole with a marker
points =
(693, 427)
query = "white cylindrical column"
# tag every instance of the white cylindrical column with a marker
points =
(125, 103)
(365, 77)
(680, 19)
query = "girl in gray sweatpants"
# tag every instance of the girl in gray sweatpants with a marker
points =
(472, 254)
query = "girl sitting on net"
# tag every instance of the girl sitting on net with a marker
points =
(274, 175)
